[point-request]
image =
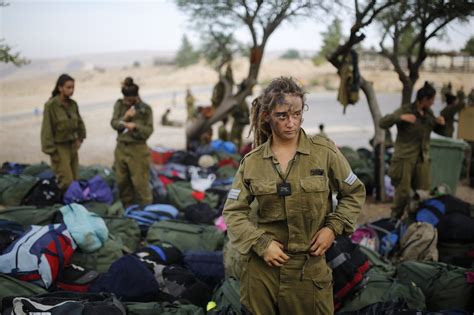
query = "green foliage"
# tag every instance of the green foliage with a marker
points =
(469, 47)
(186, 55)
(218, 48)
(332, 37)
(291, 54)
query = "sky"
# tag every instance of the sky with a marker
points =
(64, 28)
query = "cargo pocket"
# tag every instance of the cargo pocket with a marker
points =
(269, 203)
(323, 295)
(395, 172)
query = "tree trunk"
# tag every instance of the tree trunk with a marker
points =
(379, 138)
(194, 130)
(407, 92)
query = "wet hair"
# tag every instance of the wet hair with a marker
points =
(274, 94)
(63, 78)
(450, 98)
(427, 91)
(129, 88)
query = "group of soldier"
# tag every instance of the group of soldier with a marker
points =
(63, 131)
(289, 174)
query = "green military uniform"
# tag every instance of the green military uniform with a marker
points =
(410, 165)
(304, 284)
(461, 96)
(448, 113)
(241, 116)
(222, 133)
(190, 105)
(62, 126)
(132, 157)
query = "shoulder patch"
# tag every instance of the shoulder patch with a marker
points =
(325, 142)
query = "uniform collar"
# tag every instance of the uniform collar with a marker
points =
(303, 145)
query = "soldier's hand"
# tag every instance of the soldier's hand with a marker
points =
(321, 241)
(130, 113)
(274, 255)
(440, 120)
(78, 143)
(130, 125)
(410, 118)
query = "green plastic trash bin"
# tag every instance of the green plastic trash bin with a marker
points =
(447, 155)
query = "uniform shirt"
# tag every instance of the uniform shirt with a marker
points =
(61, 124)
(143, 119)
(318, 168)
(413, 140)
(448, 113)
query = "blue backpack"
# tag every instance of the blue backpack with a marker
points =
(146, 216)
(95, 189)
(431, 211)
(207, 266)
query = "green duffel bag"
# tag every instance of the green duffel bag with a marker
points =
(180, 195)
(226, 298)
(379, 263)
(382, 288)
(163, 308)
(128, 231)
(101, 259)
(186, 236)
(35, 169)
(31, 215)
(444, 286)
(105, 210)
(14, 188)
(12, 287)
(456, 254)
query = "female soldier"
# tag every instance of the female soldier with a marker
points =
(291, 175)
(63, 131)
(133, 121)
(410, 164)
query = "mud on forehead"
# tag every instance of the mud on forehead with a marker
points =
(289, 102)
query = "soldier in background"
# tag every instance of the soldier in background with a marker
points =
(190, 104)
(451, 109)
(410, 167)
(321, 131)
(62, 132)
(133, 121)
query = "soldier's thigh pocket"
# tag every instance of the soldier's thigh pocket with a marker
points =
(395, 172)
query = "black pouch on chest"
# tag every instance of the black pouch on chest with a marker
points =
(284, 189)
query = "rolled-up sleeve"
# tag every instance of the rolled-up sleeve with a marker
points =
(350, 195)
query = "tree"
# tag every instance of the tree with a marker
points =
(332, 37)
(186, 55)
(409, 26)
(261, 19)
(469, 47)
(219, 47)
(6, 54)
(291, 54)
(364, 16)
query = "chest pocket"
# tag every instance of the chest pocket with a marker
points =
(270, 206)
(67, 128)
(315, 192)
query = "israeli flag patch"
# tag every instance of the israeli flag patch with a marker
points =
(233, 194)
(350, 179)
